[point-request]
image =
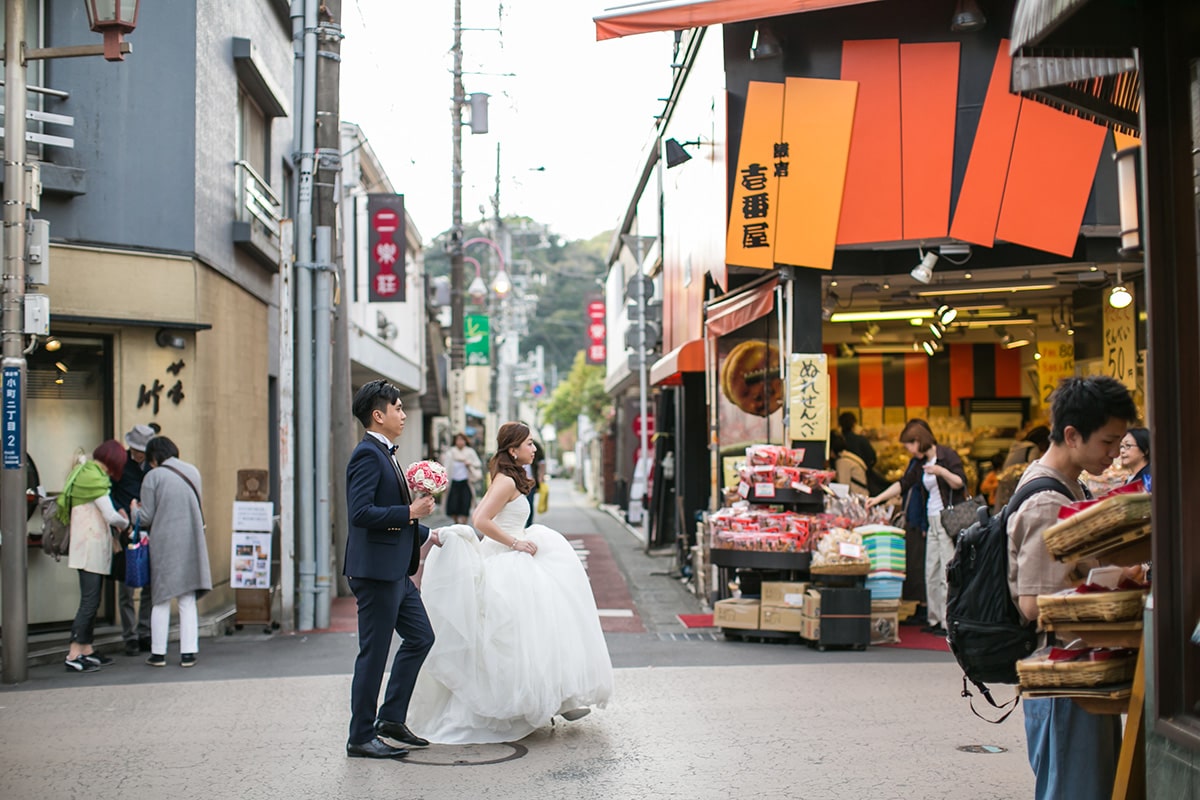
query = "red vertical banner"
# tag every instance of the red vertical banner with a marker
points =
(596, 339)
(962, 372)
(916, 380)
(870, 381)
(750, 239)
(929, 110)
(871, 201)
(385, 248)
(1008, 372)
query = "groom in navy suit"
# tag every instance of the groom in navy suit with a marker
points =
(382, 552)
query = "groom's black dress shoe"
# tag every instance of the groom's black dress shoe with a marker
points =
(399, 732)
(374, 749)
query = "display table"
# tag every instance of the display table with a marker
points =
(725, 560)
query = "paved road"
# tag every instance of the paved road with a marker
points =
(692, 717)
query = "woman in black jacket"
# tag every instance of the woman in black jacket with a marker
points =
(936, 480)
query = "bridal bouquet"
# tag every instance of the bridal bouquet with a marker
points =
(427, 477)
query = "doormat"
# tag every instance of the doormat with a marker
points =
(695, 620)
(912, 638)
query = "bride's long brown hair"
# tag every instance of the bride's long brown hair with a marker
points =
(510, 435)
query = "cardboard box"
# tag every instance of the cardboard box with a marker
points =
(812, 603)
(885, 627)
(783, 593)
(781, 618)
(810, 628)
(736, 613)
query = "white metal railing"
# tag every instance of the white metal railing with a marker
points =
(255, 199)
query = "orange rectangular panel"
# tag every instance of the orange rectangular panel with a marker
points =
(871, 202)
(928, 111)
(1050, 176)
(916, 380)
(987, 169)
(870, 381)
(818, 116)
(751, 237)
(962, 372)
(831, 351)
(1008, 372)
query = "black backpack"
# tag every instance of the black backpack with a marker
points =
(985, 629)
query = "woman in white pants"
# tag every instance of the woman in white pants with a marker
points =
(171, 512)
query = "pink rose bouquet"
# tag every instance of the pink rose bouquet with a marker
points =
(427, 477)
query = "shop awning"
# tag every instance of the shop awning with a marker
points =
(728, 315)
(674, 15)
(668, 370)
(1082, 64)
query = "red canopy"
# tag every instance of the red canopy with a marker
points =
(673, 15)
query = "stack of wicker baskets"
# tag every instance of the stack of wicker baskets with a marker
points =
(1108, 518)
(1071, 606)
(1039, 672)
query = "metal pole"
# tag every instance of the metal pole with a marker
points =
(322, 423)
(304, 322)
(13, 552)
(645, 459)
(458, 408)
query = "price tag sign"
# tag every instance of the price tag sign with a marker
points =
(764, 489)
(849, 550)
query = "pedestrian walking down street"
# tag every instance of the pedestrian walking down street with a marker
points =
(171, 513)
(464, 468)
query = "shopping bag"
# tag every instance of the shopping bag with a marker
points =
(543, 497)
(137, 560)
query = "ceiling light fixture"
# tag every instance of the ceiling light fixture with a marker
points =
(52, 345)
(827, 308)
(1119, 297)
(923, 272)
(997, 287)
(946, 314)
(937, 329)
(968, 17)
(764, 44)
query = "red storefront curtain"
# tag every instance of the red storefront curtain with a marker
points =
(674, 15)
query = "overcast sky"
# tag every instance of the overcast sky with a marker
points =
(580, 109)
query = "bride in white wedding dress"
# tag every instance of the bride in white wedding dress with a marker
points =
(518, 639)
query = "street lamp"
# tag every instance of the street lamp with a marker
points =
(114, 19)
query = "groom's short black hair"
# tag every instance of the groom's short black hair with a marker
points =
(373, 396)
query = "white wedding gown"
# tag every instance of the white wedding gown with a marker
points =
(517, 637)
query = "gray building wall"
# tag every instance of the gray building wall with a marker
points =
(158, 148)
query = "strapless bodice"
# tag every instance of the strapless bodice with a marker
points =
(511, 518)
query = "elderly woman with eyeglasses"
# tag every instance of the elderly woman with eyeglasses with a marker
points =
(1135, 455)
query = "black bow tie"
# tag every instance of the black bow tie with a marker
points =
(392, 449)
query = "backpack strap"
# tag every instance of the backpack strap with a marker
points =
(1035, 486)
(1011, 705)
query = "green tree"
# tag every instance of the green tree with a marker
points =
(582, 392)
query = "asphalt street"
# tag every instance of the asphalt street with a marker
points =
(693, 716)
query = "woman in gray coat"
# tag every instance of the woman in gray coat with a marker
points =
(171, 513)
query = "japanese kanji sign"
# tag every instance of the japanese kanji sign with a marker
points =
(808, 398)
(597, 332)
(385, 248)
(476, 335)
(1057, 362)
(13, 451)
(750, 240)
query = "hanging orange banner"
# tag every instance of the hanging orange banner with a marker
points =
(818, 116)
(750, 241)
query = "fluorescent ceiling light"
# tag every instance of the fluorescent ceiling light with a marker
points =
(985, 323)
(1014, 344)
(882, 315)
(882, 349)
(986, 288)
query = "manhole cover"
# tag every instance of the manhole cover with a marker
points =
(466, 755)
(982, 748)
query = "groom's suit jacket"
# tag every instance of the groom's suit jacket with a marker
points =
(383, 543)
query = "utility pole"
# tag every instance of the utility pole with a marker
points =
(14, 554)
(325, 213)
(458, 409)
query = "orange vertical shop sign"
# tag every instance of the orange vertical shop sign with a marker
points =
(818, 117)
(751, 238)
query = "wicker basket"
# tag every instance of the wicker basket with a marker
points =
(1038, 672)
(1097, 523)
(863, 568)
(1094, 607)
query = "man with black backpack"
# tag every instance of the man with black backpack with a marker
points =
(1073, 753)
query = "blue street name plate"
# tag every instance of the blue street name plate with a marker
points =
(11, 418)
